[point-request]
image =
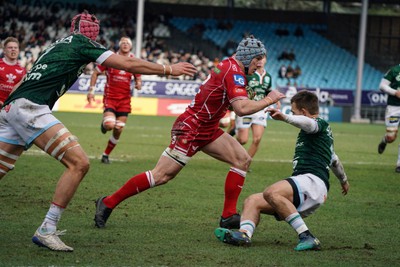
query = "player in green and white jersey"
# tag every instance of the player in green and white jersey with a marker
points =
(306, 189)
(390, 84)
(26, 116)
(258, 86)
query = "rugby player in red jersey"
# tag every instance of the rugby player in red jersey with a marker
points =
(117, 97)
(197, 130)
(10, 70)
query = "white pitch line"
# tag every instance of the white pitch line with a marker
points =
(36, 152)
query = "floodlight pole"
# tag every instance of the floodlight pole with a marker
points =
(139, 32)
(361, 52)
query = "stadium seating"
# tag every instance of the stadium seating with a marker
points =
(323, 64)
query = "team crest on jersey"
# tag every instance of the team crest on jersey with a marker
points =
(10, 78)
(216, 70)
(238, 79)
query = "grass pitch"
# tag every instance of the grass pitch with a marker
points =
(172, 225)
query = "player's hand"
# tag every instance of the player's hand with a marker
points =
(182, 68)
(90, 98)
(397, 94)
(278, 105)
(345, 188)
(138, 85)
(275, 96)
(276, 114)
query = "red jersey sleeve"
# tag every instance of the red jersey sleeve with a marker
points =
(100, 68)
(235, 84)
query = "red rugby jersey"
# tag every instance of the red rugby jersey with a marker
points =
(225, 84)
(10, 75)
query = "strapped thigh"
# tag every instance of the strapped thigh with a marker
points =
(60, 143)
(109, 120)
(119, 124)
(7, 161)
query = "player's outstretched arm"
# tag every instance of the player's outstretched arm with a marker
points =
(139, 66)
(305, 123)
(244, 107)
(338, 169)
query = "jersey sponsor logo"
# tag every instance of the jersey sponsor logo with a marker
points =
(253, 83)
(238, 79)
(239, 90)
(216, 70)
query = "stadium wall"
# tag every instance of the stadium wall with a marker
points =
(171, 97)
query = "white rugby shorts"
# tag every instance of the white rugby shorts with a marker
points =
(22, 121)
(312, 193)
(392, 116)
(258, 118)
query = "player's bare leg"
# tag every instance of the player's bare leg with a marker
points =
(119, 124)
(62, 145)
(165, 170)
(228, 150)
(258, 131)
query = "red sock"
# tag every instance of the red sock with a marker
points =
(133, 186)
(233, 186)
(110, 147)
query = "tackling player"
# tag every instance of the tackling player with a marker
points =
(11, 72)
(390, 84)
(197, 130)
(26, 116)
(117, 97)
(306, 190)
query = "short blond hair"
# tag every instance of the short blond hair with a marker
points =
(127, 38)
(9, 40)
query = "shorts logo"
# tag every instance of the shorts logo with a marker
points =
(238, 79)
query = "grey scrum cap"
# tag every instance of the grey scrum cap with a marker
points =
(248, 49)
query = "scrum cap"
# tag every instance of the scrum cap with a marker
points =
(248, 49)
(86, 24)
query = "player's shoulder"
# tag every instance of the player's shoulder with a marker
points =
(79, 38)
(396, 68)
(322, 122)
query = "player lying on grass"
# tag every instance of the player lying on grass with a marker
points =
(306, 190)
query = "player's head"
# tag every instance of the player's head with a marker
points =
(86, 24)
(248, 49)
(125, 44)
(11, 48)
(305, 100)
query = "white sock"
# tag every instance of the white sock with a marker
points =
(49, 224)
(248, 227)
(296, 222)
